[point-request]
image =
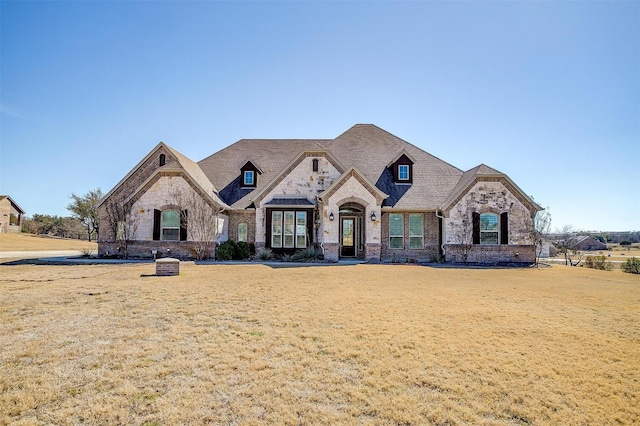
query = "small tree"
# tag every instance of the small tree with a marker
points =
(121, 222)
(540, 232)
(83, 208)
(568, 246)
(202, 219)
(463, 234)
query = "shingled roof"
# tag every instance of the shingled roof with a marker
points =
(366, 147)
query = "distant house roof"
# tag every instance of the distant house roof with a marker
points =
(13, 203)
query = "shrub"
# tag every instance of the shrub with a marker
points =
(264, 254)
(598, 262)
(87, 252)
(226, 250)
(243, 250)
(308, 254)
(625, 243)
(631, 265)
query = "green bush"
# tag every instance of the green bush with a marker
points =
(226, 250)
(243, 251)
(598, 262)
(632, 265)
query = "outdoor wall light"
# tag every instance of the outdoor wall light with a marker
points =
(373, 216)
(331, 216)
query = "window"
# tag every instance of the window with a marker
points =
(170, 225)
(163, 159)
(488, 228)
(314, 163)
(416, 231)
(248, 178)
(276, 229)
(403, 172)
(396, 231)
(288, 229)
(242, 232)
(301, 229)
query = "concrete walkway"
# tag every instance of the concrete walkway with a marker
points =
(38, 254)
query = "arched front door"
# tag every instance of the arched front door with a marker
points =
(351, 230)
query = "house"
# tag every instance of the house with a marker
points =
(587, 243)
(10, 215)
(365, 194)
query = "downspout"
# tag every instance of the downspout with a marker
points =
(443, 233)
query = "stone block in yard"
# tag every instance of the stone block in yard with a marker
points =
(167, 266)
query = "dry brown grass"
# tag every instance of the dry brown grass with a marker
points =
(28, 242)
(366, 344)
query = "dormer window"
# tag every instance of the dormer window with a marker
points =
(402, 168)
(249, 178)
(403, 172)
(249, 175)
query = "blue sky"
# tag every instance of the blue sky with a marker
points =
(546, 92)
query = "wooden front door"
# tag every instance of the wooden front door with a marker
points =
(348, 237)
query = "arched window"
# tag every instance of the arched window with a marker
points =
(489, 228)
(163, 159)
(242, 232)
(314, 162)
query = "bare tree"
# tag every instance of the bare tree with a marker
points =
(122, 224)
(202, 219)
(463, 234)
(540, 232)
(568, 245)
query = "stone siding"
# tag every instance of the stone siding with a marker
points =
(144, 249)
(491, 254)
(431, 248)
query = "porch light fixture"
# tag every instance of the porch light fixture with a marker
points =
(373, 216)
(331, 216)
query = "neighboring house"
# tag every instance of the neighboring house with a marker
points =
(365, 194)
(587, 243)
(10, 215)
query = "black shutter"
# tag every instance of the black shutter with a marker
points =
(156, 224)
(183, 225)
(476, 227)
(504, 228)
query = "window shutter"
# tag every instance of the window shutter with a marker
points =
(504, 228)
(183, 225)
(476, 227)
(156, 224)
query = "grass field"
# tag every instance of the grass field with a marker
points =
(28, 242)
(364, 344)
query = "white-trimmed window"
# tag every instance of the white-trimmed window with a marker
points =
(396, 230)
(243, 232)
(489, 228)
(403, 172)
(289, 229)
(301, 229)
(248, 178)
(276, 229)
(416, 231)
(170, 225)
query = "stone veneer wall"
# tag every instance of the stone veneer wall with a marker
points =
(491, 254)
(143, 249)
(136, 179)
(431, 249)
